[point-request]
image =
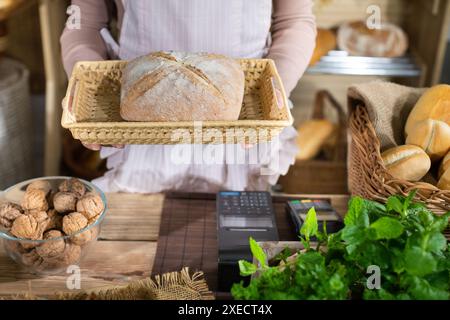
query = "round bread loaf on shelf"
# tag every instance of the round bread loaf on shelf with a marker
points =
(177, 86)
(433, 104)
(432, 136)
(406, 162)
(358, 40)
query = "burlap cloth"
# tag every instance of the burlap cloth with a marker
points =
(388, 105)
(169, 286)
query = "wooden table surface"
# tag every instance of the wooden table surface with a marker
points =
(124, 252)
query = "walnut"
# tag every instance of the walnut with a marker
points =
(74, 222)
(51, 248)
(40, 216)
(35, 200)
(15, 247)
(83, 238)
(65, 202)
(27, 227)
(32, 259)
(73, 185)
(40, 185)
(8, 213)
(71, 255)
(55, 220)
(90, 205)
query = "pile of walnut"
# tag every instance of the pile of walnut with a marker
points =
(45, 214)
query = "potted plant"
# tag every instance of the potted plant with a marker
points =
(392, 251)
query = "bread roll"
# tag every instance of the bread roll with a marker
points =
(444, 181)
(406, 162)
(312, 135)
(445, 165)
(432, 136)
(325, 42)
(177, 86)
(358, 40)
(434, 104)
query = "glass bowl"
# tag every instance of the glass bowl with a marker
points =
(55, 255)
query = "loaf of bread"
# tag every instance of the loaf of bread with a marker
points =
(325, 42)
(445, 164)
(444, 181)
(433, 104)
(358, 40)
(177, 86)
(432, 136)
(406, 162)
(312, 135)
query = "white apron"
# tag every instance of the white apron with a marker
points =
(237, 28)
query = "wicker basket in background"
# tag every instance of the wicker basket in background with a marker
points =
(16, 135)
(368, 176)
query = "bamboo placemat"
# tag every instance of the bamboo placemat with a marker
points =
(188, 234)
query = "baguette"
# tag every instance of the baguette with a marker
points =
(406, 162)
(444, 181)
(312, 135)
(445, 165)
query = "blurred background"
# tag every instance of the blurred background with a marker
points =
(32, 83)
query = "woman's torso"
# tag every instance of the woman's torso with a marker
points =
(238, 28)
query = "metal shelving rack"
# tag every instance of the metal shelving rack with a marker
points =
(341, 63)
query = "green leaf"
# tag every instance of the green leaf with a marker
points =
(436, 243)
(419, 262)
(394, 204)
(441, 223)
(246, 268)
(310, 226)
(355, 206)
(258, 253)
(408, 200)
(422, 290)
(387, 228)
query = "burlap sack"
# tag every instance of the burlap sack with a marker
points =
(170, 286)
(388, 105)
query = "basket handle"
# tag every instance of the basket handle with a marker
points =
(322, 97)
(67, 103)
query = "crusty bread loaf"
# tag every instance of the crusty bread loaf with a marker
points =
(432, 136)
(444, 181)
(312, 135)
(445, 164)
(177, 86)
(406, 162)
(433, 104)
(325, 42)
(358, 40)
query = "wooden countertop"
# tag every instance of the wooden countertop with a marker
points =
(124, 252)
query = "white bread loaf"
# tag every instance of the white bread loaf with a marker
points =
(445, 165)
(444, 181)
(432, 136)
(358, 40)
(433, 104)
(177, 86)
(312, 136)
(406, 162)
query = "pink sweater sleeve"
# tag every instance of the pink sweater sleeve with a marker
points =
(85, 43)
(293, 39)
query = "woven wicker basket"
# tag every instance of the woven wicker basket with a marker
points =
(92, 110)
(369, 178)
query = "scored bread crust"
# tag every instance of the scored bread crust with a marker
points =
(407, 162)
(177, 86)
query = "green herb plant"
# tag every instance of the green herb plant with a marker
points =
(402, 238)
